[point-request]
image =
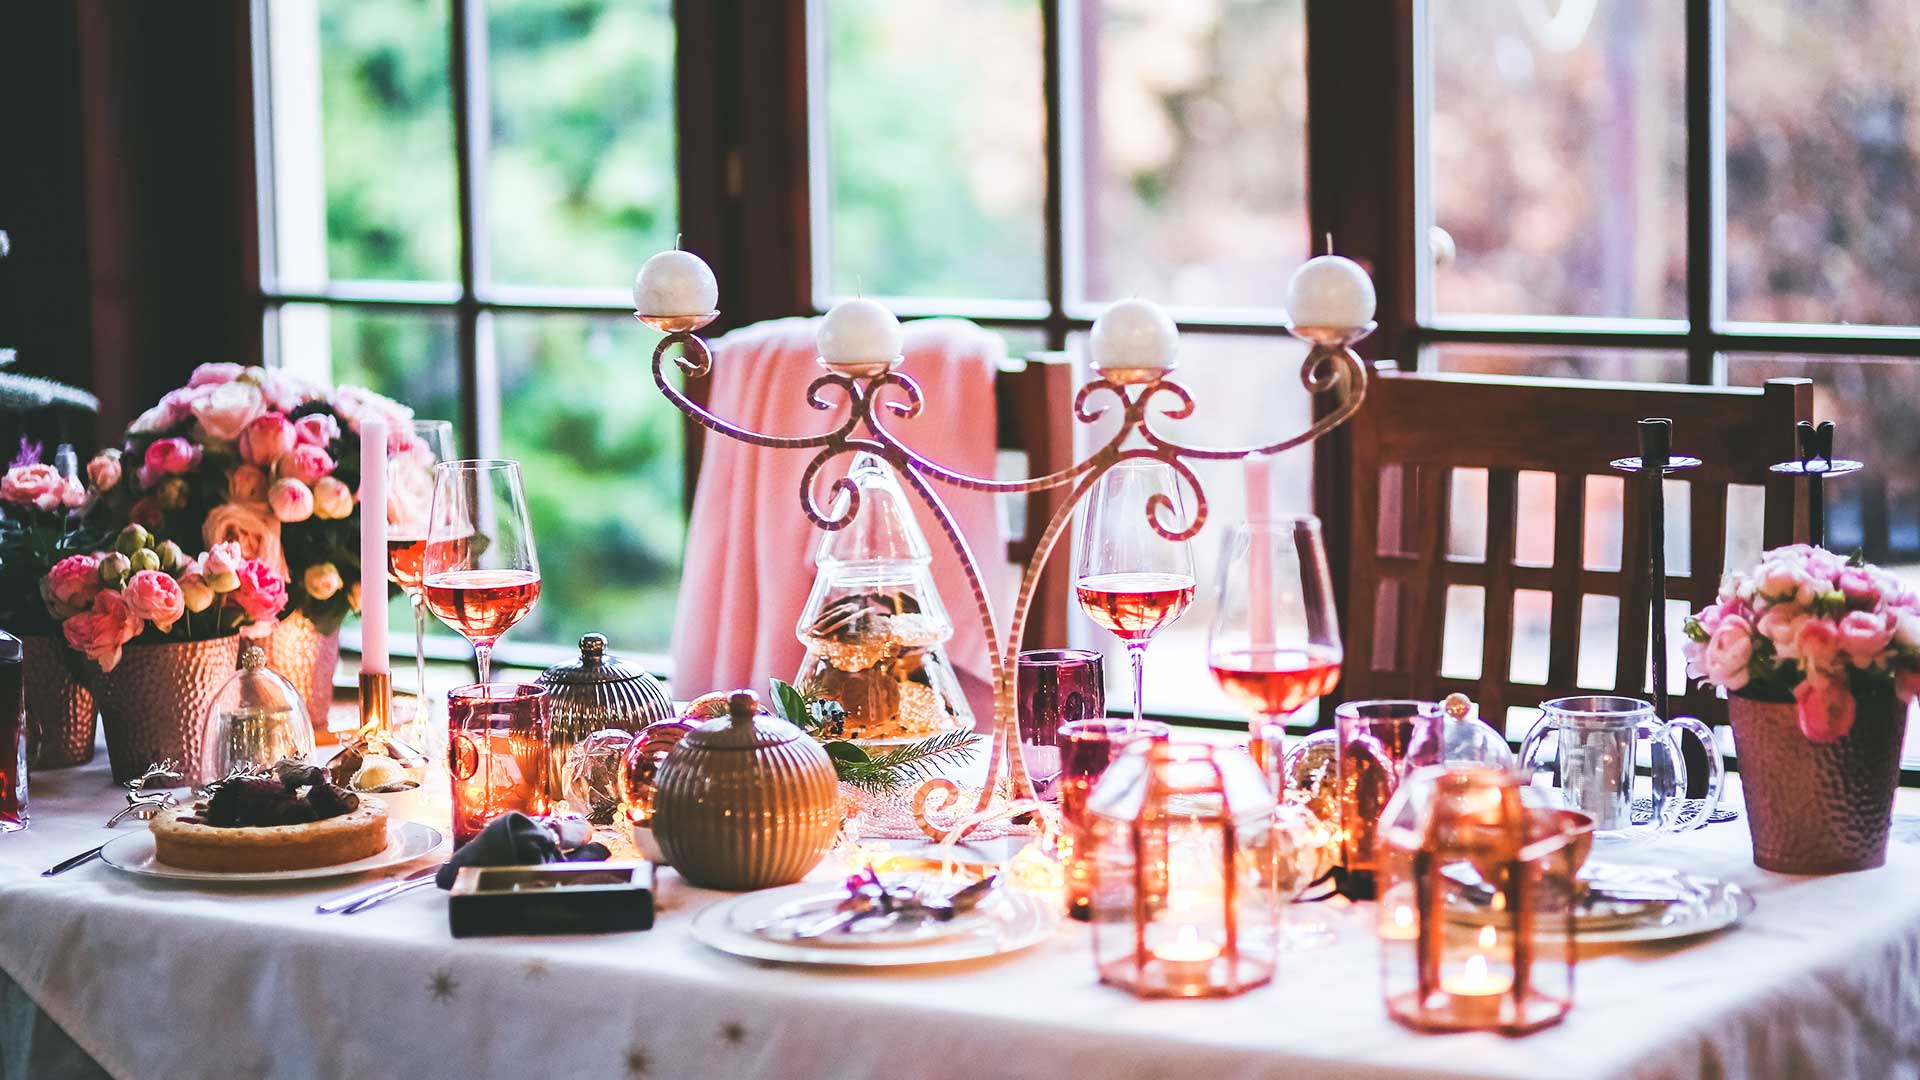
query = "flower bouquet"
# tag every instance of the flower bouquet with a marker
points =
(1820, 657)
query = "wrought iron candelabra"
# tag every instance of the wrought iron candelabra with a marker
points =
(875, 393)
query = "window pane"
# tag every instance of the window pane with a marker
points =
(1823, 192)
(1612, 365)
(936, 166)
(1195, 151)
(582, 172)
(603, 477)
(1215, 367)
(1558, 165)
(362, 141)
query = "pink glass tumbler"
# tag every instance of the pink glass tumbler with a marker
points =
(496, 753)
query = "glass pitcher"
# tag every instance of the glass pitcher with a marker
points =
(1586, 749)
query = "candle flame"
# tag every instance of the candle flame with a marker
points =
(1487, 941)
(1403, 916)
(1476, 970)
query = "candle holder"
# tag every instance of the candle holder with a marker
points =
(1656, 462)
(1477, 899)
(1816, 462)
(1185, 854)
(871, 393)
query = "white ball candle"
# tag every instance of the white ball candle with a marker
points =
(1134, 335)
(859, 332)
(675, 283)
(1330, 291)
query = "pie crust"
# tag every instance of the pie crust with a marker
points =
(191, 845)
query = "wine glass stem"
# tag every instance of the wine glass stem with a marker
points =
(1137, 653)
(482, 655)
(420, 649)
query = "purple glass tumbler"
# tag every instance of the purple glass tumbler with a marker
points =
(13, 735)
(1054, 687)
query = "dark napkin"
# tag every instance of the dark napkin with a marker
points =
(514, 839)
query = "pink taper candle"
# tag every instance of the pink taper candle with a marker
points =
(1259, 469)
(373, 546)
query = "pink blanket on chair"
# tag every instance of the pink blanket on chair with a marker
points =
(750, 547)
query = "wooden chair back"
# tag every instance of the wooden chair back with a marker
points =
(1034, 401)
(1416, 430)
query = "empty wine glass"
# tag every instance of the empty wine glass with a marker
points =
(1134, 581)
(479, 572)
(410, 474)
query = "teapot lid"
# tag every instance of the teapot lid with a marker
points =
(745, 727)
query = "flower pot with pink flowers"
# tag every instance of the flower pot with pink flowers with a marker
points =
(1820, 657)
(161, 634)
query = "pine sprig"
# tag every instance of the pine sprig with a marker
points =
(823, 718)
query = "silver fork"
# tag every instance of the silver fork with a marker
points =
(341, 903)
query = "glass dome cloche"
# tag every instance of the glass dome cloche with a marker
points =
(256, 719)
(874, 626)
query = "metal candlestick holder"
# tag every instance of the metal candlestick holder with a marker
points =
(872, 392)
(1816, 462)
(1656, 461)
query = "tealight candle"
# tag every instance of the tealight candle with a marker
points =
(1186, 957)
(1399, 925)
(675, 283)
(1134, 338)
(1332, 292)
(859, 334)
(1477, 979)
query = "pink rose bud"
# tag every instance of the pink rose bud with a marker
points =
(1826, 709)
(155, 597)
(194, 591)
(322, 581)
(316, 429)
(171, 457)
(332, 499)
(103, 472)
(267, 439)
(292, 501)
(247, 484)
(307, 464)
(221, 566)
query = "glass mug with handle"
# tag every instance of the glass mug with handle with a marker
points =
(1587, 750)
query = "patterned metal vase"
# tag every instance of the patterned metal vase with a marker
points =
(154, 702)
(307, 658)
(1818, 808)
(60, 711)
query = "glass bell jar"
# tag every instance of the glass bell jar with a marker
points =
(874, 627)
(256, 719)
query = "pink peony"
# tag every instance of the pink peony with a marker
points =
(1817, 644)
(332, 499)
(100, 632)
(267, 439)
(104, 472)
(307, 464)
(176, 406)
(1826, 709)
(247, 484)
(1859, 587)
(169, 457)
(1725, 660)
(215, 374)
(353, 403)
(155, 597)
(282, 389)
(261, 595)
(252, 527)
(226, 410)
(1822, 564)
(292, 501)
(69, 588)
(1781, 625)
(316, 429)
(1864, 635)
(39, 486)
(1785, 581)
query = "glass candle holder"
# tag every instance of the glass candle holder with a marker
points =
(1477, 898)
(1054, 687)
(496, 753)
(1377, 743)
(1087, 748)
(1184, 844)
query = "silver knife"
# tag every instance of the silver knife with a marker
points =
(67, 864)
(341, 903)
(392, 891)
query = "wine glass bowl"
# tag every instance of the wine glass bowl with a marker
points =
(410, 478)
(480, 574)
(1133, 580)
(1274, 645)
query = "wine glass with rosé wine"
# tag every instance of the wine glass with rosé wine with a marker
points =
(479, 572)
(1134, 582)
(1275, 641)
(410, 473)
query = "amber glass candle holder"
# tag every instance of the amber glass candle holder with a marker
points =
(1184, 898)
(1477, 898)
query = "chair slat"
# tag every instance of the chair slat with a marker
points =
(1564, 576)
(1496, 649)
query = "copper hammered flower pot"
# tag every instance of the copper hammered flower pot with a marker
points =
(154, 702)
(60, 710)
(1818, 808)
(307, 658)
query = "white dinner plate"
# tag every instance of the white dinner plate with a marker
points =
(1011, 920)
(824, 902)
(406, 841)
(1709, 904)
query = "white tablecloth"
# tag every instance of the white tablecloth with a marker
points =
(157, 980)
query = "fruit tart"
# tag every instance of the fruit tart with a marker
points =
(288, 818)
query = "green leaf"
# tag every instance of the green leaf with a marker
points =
(846, 751)
(790, 705)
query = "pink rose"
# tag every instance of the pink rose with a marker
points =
(267, 439)
(176, 406)
(1864, 635)
(73, 493)
(69, 588)
(252, 527)
(332, 499)
(1826, 709)
(154, 596)
(227, 410)
(1817, 643)
(353, 403)
(215, 374)
(292, 501)
(1858, 587)
(1823, 564)
(220, 567)
(283, 389)
(170, 457)
(38, 486)
(1781, 624)
(104, 471)
(1724, 663)
(307, 464)
(1785, 582)
(100, 632)
(247, 484)
(261, 595)
(316, 429)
